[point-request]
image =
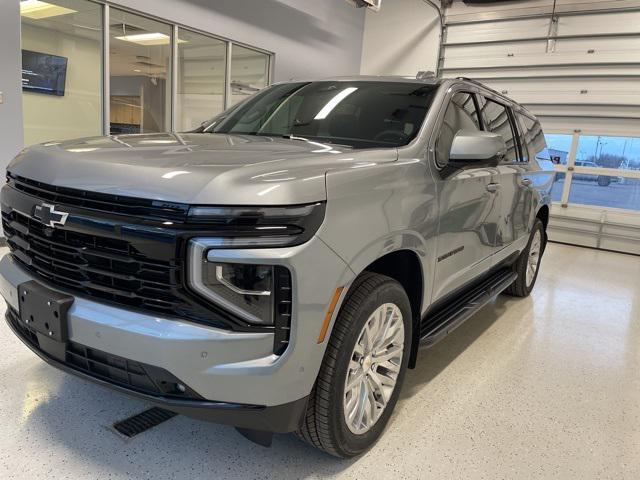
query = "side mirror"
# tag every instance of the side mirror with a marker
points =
(472, 146)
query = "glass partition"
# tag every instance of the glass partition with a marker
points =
(201, 78)
(61, 69)
(140, 73)
(249, 72)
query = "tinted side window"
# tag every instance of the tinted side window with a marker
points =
(534, 137)
(497, 120)
(461, 114)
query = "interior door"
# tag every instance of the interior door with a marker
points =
(467, 202)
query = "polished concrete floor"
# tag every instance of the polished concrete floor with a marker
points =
(545, 387)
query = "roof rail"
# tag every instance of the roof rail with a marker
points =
(471, 80)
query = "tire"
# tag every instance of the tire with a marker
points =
(325, 425)
(523, 285)
(604, 181)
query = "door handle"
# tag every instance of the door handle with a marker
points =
(525, 182)
(493, 187)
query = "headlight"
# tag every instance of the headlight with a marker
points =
(259, 227)
(257, 294)
(246, 290)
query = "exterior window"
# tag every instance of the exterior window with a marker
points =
(497, 120)
(559, 146)
(201, 75)
(140, 72)
(605, 191)
(461, 114)
(249, 72)
(62, 71)
(608, 152)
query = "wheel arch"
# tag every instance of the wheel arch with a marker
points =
(405, 267)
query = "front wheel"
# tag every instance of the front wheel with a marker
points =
(528, 263)
(363, 368)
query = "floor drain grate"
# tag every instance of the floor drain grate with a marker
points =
(143, 421)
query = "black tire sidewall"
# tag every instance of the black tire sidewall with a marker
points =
(537, 226)
(350, 443)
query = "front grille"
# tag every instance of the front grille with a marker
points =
(102, 202)
(106, 268)
(114, 369)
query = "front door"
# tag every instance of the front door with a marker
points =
(468, 203)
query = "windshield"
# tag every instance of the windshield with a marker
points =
(359, 114)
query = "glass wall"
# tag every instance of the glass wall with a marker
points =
(139, 73)
(201, 78)
(249, 72)
(61, 69)
(64, 83)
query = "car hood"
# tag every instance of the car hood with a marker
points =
(195, 168)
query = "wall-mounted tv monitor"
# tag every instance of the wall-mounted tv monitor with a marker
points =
(43, 73)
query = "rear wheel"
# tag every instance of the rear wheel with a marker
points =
(604, 181)
(528, 263)
(363, 369)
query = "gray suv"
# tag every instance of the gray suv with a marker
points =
(279, 268)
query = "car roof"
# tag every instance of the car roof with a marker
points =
(372, 78)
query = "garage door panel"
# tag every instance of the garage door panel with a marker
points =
(497, 31)
(599, 45)
(479, 58)
(571, 91)
(594, 24)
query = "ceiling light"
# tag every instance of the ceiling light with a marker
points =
(148, 39)
(37, 10)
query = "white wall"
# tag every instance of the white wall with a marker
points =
(10, 83)
(401, 39)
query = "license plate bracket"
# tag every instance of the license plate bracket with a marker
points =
(44, 310)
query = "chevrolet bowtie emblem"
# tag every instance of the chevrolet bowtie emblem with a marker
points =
(48, 215)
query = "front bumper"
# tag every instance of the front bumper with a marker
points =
(241, 382)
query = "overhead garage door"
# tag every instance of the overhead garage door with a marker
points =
(576, 65)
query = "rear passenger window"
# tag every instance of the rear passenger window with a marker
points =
(461, 114)
(497, 120)
(534, 137)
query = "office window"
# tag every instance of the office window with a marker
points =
(201, 78)
(140, 73)
(249, 72)
(61, 69)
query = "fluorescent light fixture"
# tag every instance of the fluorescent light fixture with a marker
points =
(333, 103)
(37, 10)
(148, 39)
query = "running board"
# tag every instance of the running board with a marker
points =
(438, 324)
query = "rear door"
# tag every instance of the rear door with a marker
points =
(468, 206)
(515, 194)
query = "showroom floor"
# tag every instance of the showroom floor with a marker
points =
(545, 387)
